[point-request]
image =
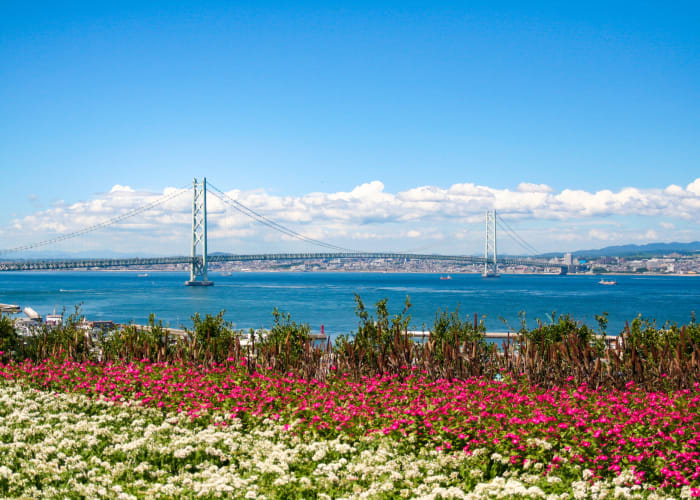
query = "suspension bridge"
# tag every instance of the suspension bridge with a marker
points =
(198, 259)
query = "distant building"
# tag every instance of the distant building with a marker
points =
(568, 259)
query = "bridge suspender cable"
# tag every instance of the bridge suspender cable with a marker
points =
(108, 222)
(266, 221)
(520, 241)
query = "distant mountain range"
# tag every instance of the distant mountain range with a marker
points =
(649, 249)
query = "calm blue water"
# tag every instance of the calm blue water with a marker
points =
(328, 298)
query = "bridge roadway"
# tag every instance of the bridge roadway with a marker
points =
(58, 264)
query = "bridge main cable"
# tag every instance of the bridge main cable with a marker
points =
(100, 225)
(266, 221)
(517, 238)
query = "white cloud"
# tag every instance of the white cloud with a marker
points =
(599, 234)
(119, 188)
(368, 214)
(674, 190)
(527, 187)
(650, 235)
(694, 187)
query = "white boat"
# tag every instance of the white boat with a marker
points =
(9, 309)
(32, 314)
(53, 319)
(142, 275)
(607, 282)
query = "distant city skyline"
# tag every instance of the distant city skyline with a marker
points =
(374, 126)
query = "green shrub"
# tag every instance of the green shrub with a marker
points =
(562, 328)
(451, 329)
(211, 327)
(377, 333)
(286, 340)
(9, 340)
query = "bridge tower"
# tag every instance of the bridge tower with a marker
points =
(490, 263)
(198, 265)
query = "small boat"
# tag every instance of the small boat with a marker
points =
(143, 275)
(9, 309)
(446, 277)
(54, 319)
(607, 282)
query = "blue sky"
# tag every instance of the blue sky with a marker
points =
(275, 103)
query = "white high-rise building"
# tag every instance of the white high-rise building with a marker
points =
(568, 259)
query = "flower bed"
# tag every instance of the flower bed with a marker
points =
(172, 430)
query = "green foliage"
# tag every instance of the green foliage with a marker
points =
(126, 344)
(380, 343)
(212, 339)
(131, 343)
(558, 329)
(287, 340)
(451, 329)
(643, 334)
(377, 333)
(559, 352)
(211, 327)
(67, 338)
(9, 339)
(602, 320)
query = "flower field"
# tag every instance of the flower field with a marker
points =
(174, 430)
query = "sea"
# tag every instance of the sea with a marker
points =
(327, 300)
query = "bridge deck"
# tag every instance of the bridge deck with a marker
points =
(68, 264)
